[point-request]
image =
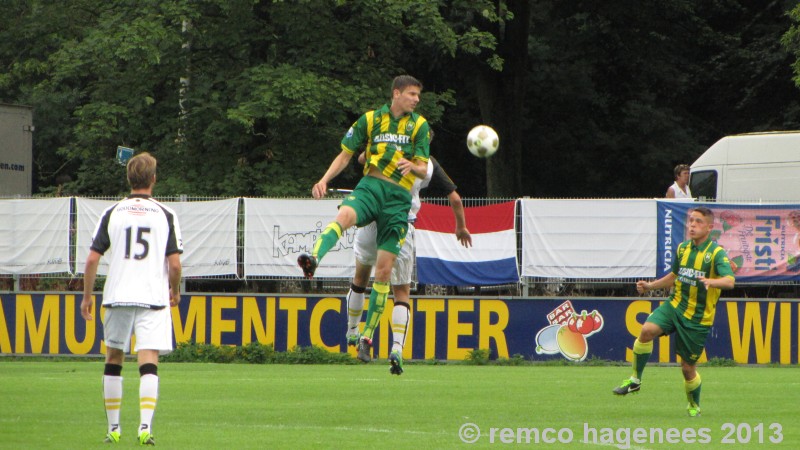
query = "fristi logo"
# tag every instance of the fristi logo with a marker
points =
(568, 331)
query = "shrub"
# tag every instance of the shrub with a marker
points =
(478, 356)
(254, 353)
(721, 362)
(515, 360)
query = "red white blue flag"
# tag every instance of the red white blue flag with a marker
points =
(492, 259)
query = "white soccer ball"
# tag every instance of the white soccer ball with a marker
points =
(482, 141)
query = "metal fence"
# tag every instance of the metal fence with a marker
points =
(67, 281)
(526, 287)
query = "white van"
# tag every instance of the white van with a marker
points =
(749, 167)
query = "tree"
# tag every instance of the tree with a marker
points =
(251, 98)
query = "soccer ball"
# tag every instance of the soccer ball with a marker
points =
(482, 141)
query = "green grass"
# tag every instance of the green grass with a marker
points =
(58, 404)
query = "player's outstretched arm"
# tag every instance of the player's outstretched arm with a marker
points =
(462, 233)
(666, 281)
(337, 166)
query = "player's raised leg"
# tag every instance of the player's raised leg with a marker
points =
(642, 348)
(345, 218)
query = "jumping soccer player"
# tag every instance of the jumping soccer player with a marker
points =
(437, 184)
(397, 150)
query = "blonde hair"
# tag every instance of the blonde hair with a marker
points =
(141, 170)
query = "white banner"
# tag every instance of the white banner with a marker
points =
(277, 231)
(589, 238)
(209, 236)
(208, 230)
(88, 213)
(34, 235)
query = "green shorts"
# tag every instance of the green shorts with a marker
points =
(386, 204)
(690, 337)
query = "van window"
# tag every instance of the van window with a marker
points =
(703, 184)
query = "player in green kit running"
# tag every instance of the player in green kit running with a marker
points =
(397, 151)
(700, 270)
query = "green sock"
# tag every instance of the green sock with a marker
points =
(641, 354)
(377, 301)
(329, 237)
(693, 390)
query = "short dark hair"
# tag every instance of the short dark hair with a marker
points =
(680, 168)
(401, 82)
(706, 212)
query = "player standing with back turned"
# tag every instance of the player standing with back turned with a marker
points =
(143, 241)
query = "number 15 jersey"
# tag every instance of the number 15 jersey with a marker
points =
(138, 233)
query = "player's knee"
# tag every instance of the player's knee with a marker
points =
(346, 217)
(112, 370)
(148, 369)
(649, 332)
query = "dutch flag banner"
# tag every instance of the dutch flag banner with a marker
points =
(492, 259)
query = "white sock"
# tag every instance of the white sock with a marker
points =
(400, 316)
(355, 306)
(148, 396)
(112, 395)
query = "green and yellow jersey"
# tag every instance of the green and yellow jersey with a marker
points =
(387, 140)
(690, 297)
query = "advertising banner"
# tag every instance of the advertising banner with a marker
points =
(34, 235)
(209, 236)
(752, 331)
(276, 232)
(588, 238)
(208, 229)
(762, 241)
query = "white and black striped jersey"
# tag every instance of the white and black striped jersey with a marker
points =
(137, 234)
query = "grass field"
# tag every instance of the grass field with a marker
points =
(58, 404)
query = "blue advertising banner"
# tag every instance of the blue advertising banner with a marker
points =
(762, 241)
(751, 331)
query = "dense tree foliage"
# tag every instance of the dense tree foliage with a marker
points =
(591, 99)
